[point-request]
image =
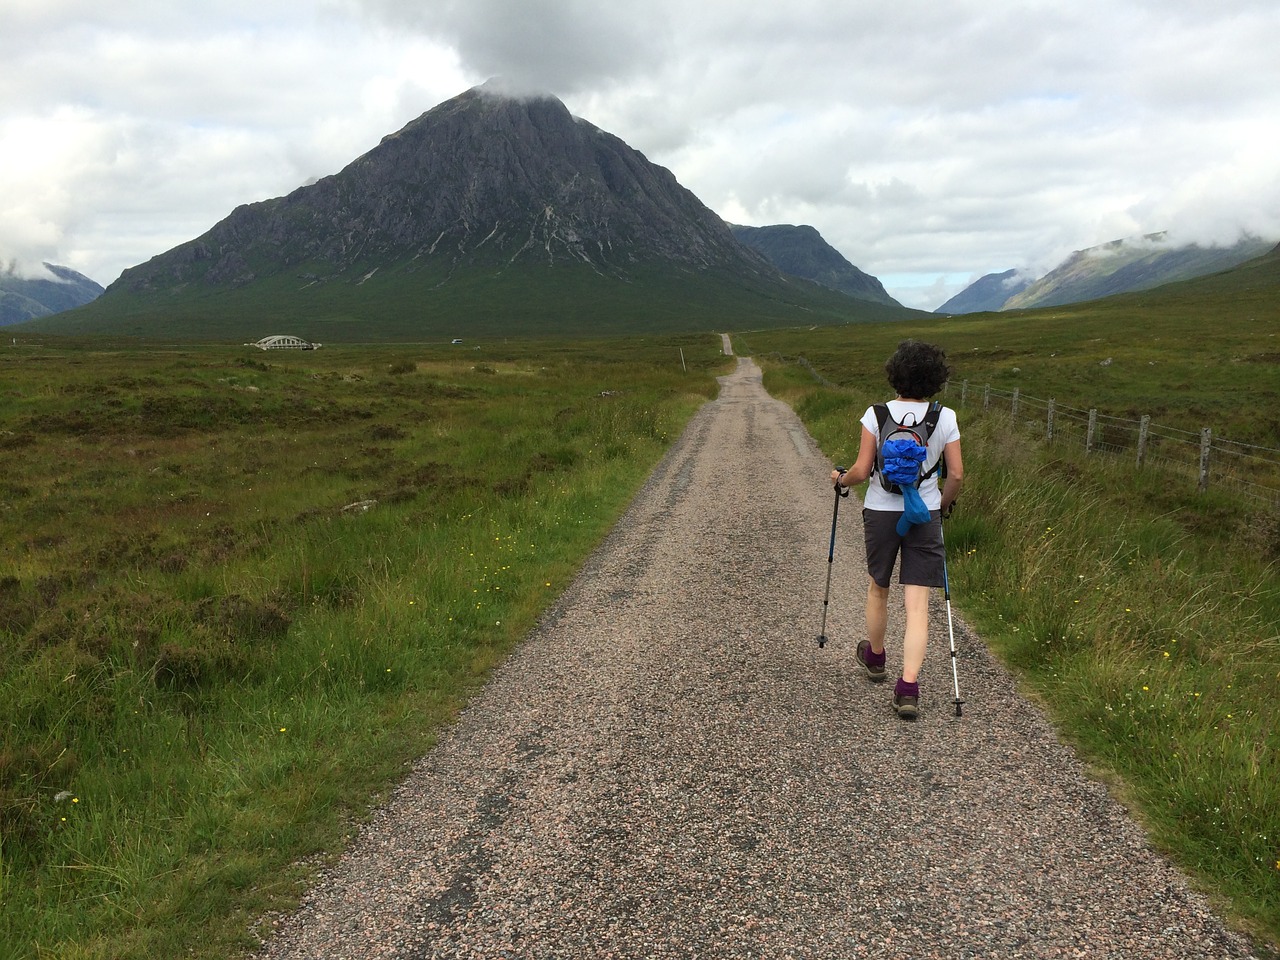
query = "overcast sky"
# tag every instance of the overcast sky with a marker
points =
(929, 141)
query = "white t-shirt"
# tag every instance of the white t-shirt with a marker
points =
(948, 429)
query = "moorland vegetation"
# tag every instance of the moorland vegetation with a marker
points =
(241, 591)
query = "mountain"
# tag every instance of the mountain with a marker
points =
(23, 298)
(1240, 294)
(985, 294)
(488, 214)
(1135, 264)
(800, 251)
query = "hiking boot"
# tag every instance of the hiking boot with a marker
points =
(906, 697)
(872, 661)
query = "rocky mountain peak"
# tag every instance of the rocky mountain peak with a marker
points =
(484, 179)
(801, 251)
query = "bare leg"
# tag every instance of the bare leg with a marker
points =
(877, 615)
(916, 604)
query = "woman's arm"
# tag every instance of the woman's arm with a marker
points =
(955, 474)
(865, 463)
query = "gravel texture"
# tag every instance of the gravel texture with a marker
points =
(669, 766)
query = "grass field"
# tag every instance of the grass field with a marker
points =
(1144, 616)
(1199, 354)
(241, 591)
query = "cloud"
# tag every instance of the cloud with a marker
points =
(536, 46)
(144, 124)
(974, 137)
(928, 143)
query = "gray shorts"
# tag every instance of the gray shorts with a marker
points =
(923, 555)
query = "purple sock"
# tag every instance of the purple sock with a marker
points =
(875, 659)
(904, 689)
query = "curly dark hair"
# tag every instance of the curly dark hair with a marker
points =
(917, 370)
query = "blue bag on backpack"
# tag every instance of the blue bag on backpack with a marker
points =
(914, 512)
(900, 462)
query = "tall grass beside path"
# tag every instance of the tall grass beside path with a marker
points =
(1143, 616)
(241, 591)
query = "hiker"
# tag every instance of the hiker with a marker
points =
(916, 371)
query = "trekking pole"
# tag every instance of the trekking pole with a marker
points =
(946, 592)
(831, 555)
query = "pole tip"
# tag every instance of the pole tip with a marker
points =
(822, 640)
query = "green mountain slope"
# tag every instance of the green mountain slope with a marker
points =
(1136, 264)
(986, 293)
(523, 301)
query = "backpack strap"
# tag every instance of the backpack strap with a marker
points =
(931, 423)
(931, 417)
(882, 415)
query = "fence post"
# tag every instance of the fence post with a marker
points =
(1048, 431)
(964, 390)
(1206, 441)
(1143, 428)
(1093, 427)
(986, 396)
(1013, 408)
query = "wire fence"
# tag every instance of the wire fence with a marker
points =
(1205, 459)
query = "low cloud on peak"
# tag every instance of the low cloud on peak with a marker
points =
(509, 89)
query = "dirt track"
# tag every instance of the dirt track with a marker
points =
(670, 767)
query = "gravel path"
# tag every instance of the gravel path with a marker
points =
(669, 766)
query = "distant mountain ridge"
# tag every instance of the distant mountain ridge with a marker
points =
(1121, 266)
(801, 251)
(986, 294)
(1129, 265)
(24, 298)
(487, 212)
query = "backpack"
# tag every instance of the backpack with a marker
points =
(904, 448)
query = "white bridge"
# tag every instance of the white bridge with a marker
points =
(284, 342)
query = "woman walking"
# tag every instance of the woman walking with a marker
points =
(916, 371)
